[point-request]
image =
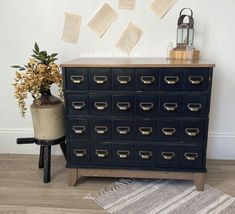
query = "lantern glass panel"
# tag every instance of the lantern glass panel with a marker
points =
(190, 38)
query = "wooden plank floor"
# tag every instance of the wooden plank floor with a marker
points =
(22, 189)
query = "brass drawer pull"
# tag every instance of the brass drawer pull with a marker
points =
(79, 152)
(78, 105)
(146, 106)
(101, 129)
(146, 155)
(100, 79)
(124, 80)
(77, 79)
(147, 80)
(79, 129)
(123, 106)
(192, 132)
(123, 154)
(123, 130)
(170, 106)
(168, 155)
(101, 105)
(171, 80)
(195, 80)
(101, 153)
(194, 107)
(191, 156)
(146, 130)
(168, 131)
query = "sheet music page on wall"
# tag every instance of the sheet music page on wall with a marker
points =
(71, 29)
(161, 7)
(102, 20)
(129, 38)
(126, 4)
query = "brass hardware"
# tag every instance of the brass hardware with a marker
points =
(78, 105)
(123, 130)
(191, 156)
(146, 155)
(170, 106)
(146, 130)
(168, 131)
(147, 80)
(100, 79)
(79, 129)
(123, 106)
(146, 106)
(171, 80)
(79, 152)
(123, 154)
(124, 80)
(101, 105)
(101, 153)
(168, 155)
(77, 79)
(192, 132)
(194, 107)
(195, 80)
(101, 129)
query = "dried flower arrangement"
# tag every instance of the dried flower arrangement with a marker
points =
(36, 77)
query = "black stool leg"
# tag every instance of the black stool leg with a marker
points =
(63, 148)
(47, 164)
(41, 158)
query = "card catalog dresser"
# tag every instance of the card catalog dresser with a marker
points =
(142, 118)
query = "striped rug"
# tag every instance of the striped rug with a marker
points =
(141, 196)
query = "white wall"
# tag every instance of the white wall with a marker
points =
(26, 21)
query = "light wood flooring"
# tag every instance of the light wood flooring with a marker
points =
(22, 189)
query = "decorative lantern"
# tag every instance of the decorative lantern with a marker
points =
(185, 30)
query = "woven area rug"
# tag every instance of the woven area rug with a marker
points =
(141, 196)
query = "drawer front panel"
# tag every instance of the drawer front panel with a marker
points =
(101, 152)
(169, 130)
(147, 79)
(80, 152)
(146, 129)
(123, 129)
(144, 154)
(171, 79)
(123, 79)
(168, 155)
(79, 129)
(101, 128)
(77, 78)
(170, 105)
(123, 105)
(191, 156)
(100, 104)
(147, 105)
(78, 104)
(100, 79)
(123, 153)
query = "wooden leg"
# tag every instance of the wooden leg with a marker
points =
(47, 164)
(41, 155)
(199, 181)
(63, 148)
(73, 175)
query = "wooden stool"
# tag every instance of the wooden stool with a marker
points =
(45, 152)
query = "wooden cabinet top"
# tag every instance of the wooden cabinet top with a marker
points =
(134, 62)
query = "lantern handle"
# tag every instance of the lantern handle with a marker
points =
(186, 8)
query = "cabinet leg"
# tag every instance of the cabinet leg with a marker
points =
(47, 164)
(41, 158)
(73, 175)
(199, 181)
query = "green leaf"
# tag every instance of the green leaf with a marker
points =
(54, 54)
(16, 66)
(36, 47)
(22, 69)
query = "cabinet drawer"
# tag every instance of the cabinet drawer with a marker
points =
(170, 105)
(100, 79)
(193, 131)
(100, 104)
(123, 129)
(168, 155)
(144, 154)
(191, 156)
(123, 79)
(76, 78)
(147, 79)
(169, 130)
(147, 105)
(78, 104)
(123, 105)
(79, 129)
(101, 128)
(196, 79)
(171, 79)
(101, 152)
(145, 129)
(123, 153)
(80, 152)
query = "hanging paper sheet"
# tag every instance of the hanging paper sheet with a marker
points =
(126, 4)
